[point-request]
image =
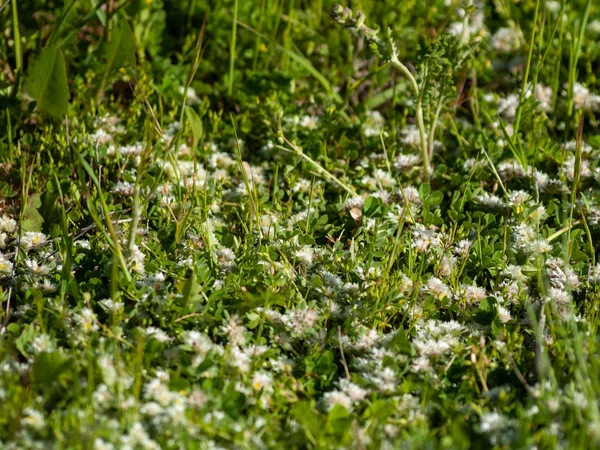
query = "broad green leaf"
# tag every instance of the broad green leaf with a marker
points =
(191, 289)
(47, 82)
(32, 219)
(195, 124)
(48, 366)
(120, 51)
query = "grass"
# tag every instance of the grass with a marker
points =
(277, 224)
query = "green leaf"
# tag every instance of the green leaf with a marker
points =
(120, 51)
(401, 342)
(48, 366)
(436, 198)
(32, 219)
(195, 124)
(190, 290)
(47, 82)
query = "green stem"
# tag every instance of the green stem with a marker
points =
(420, 122)
(527, 68)
(232, 46)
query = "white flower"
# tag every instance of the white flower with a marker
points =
(124, 188)
(309, 122)
(235, 330)
(158, 334)
(543, 94)
(262, 381)
(474, 294)
(225, 258)
(373, 124)
(199, 342)
(136, 259)
(87, 320)
(411, 136)
(583, 98)
(492, 422)
(6, 266)
(305, 255)
(31, 239)
(438, 288)
(463, 247)
(34, 419)
(503, 314)
(506, 40)
(42, 343)
(337, 398)
(36, 269)
(489, 200)
(7, 224)
(354, 392)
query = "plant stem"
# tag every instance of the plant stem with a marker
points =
(420, 122)
(527, 68)
(232, 47)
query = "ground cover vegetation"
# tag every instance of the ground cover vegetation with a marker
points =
(296, 224)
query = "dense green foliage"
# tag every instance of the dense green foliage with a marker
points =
(295, 224)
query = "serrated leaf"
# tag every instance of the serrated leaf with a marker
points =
(195, 124)
(47, 82)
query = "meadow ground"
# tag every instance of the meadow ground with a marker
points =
(290, 224)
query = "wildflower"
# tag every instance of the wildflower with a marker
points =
(7, 224)
(503, 314)
(157, 333)
(305, 255)
(425, 239)
(111, 305)
(337, 397)
(262, 381)
(309, 122)
(137, 436)
(508, 106)
(583, 98)
(543, 94)
(474, 294)
(124, 188)
(492, 422)
(235, 331)
(463, 247)
(411, 136)
(421, 364)
(438, 288)
(406, 161)
(447, 265)
(42, 343)
(489, 200)
(354, 392)
(6, 267)
(32, 239)
(506, 40)
(373, 124)
(192, 97)
(86, 319)
(36, 269)
(517, 199)
(100, 444)
(197, 398)
(4, 239)
(199, 342)
(34, 419)
(136, 259)
(226, 258)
